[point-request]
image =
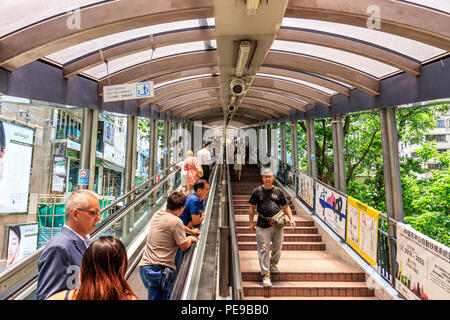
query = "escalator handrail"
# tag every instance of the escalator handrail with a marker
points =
(26, 269)
(237, 288)
(193, 275)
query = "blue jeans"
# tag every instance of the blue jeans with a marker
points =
(151, 277)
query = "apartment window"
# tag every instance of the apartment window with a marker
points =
(435, 166)
(436, 137)
(440, 124)
(414, 155)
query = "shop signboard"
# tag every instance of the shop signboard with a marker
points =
(59, 175)
(331, 208)
(362, 229)
(15, 167)
(22, 241)
(422, 266)
(306, 189)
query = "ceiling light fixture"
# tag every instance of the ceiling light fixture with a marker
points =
(243, 55)
(252, 6)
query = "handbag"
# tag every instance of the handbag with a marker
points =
(280, 219)
(199, 170)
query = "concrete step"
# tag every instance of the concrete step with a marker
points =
(307, 289)
(287, 230)
(308, 276)
(287, 238)
(309, 246)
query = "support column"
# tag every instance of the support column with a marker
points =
(311, 148)
(152, 147)
(391, 163)
(166, 144)
(130, 153)
(89, 145)
(269, 140)
(283, 141)
(338, 153)
(294, 146)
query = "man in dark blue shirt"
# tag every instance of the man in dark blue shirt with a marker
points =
(193, 213)
(194, 208)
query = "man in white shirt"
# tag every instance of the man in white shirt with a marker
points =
(204, 156)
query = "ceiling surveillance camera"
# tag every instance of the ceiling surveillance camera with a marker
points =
(231, 108)
(237, 86)
(229, 115)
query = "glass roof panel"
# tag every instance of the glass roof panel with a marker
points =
(17, 14)
(143, 56)
(372, 67)
(442, 5)
(405, 46)
(163, 84)
(74, 52)
(305, 83)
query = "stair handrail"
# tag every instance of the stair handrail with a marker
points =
(237, 288)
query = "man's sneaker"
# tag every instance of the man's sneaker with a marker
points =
(266, 280)
(273, 268)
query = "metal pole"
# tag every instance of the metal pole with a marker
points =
(294, 146)
(89, 145)
(311, 152)
(283, 141)
(338, 153)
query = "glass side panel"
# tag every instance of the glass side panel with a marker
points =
(405, 46)
(18, 14)
(442, 5)
(144, 56)
(74, 52)
(355, 61)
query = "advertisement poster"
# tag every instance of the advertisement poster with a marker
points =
(22, 241)
(422, 266)
(306, 189)
(15, 166)
(331, 207)
(362, 229)
(59, 174)
(108, 132)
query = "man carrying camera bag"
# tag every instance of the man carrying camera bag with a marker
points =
(268, 201)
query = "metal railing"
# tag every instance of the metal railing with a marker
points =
(386, 244)
(236, 276)
(19, 281)
(193, 275)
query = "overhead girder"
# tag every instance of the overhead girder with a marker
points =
(181, 100)
(211, 101)
(219, 111)
(162, 66)
(141, 44)
(51, 35)
(298, 91)
(183, 87)
(323, 67)
(278, 98)
(250, 109)
(400, 18)
(219, 114)
(350, 45)
(277, 71)
(293, 88)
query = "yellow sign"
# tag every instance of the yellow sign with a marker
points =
(362, 229)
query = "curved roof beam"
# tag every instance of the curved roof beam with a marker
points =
(219, 112)
(396, 17)
(264, 103)
(219, 115)
(51, 35)
(350, 45)
(266, 113)
(323, 67)
(211, 101)
(305, 77)
(129, 47)
(292, 88)
(162, 66)
(305, 93)
(183, 87)
(278, 98)
(183, 99)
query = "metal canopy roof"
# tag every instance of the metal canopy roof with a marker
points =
(308, 58)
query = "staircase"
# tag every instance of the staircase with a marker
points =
(307, 271)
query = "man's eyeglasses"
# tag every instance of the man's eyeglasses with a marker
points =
(91, 212)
